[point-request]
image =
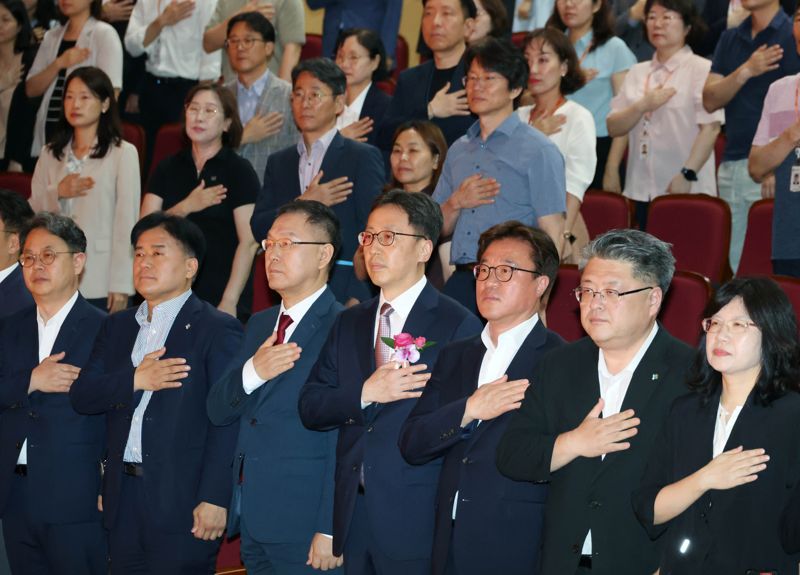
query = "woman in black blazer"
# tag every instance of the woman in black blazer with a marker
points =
(729, 454)
(362, 57)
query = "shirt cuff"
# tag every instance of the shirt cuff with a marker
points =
(250, 379)
(326, 535)
(365, 405)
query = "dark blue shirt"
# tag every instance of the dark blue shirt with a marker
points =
(744, 110)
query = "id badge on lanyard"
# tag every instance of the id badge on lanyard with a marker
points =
(794, 177)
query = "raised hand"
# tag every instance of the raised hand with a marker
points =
(176, 11)
(72, 57)
(733, 468)
(358, 130)
(330, 193)
(764, 59)
(446, 104)
(597, 436)
(202, 197)
(494, 399)
(655, 98)
(51, 376)
(391, 383)
(73, 186)
(262, 126)
(118, 10)
(475, 190)
(271, 360)
(549, 125)
(155, 374)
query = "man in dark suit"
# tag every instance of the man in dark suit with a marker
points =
(434, 90)
(486, 523)
(589, 421)
(324, 166)
(166, 485)
(383, 507)
(14, 213)
(50, 455)
(283, 472)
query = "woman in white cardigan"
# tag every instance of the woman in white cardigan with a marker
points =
(81, 40)
(90, 173)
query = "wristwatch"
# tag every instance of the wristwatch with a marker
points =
(690, 175)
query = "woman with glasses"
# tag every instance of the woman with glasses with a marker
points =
(88, 172)
(660, 109)
(362, 57)
(209, 183)
(729, 453)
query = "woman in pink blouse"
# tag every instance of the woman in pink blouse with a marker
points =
(660, 107)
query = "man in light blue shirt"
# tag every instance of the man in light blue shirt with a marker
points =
(501, 169)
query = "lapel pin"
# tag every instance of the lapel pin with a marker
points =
(654, 377)
(188, 325)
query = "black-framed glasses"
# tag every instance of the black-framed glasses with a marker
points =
(286, 244)
(385, 237)
(610, 296)
(735, 327)
(503, 273)
(47, 257)
(245, 43)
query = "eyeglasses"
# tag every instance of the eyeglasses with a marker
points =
(349, 58)
(474, 79)
(245, 43)
(503, 273)
(286, 244)
(47, 257)
(196, 110)
(665, 18)
(385, 237)
(314, 97)
(609, 296)
(735, 327)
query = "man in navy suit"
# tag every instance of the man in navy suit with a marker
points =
(434, 90)
(324, 166)
(14, 213)
(283, 472)
(486, 523)
(383, 507)
(166, 485)
(50, 455)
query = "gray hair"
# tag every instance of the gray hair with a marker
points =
(57, 225)
(651, 259)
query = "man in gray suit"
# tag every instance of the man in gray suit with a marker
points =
(264, 99)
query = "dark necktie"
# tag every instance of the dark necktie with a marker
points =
(283, 322)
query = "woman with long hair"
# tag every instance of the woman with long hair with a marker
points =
(91, 174)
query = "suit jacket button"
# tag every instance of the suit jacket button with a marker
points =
(576, 549)
(595, 504)
(355, 468)
(253, 421)
(369, 429)
(19, 445)
(466, 460)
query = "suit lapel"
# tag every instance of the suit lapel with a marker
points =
(423, 312)
(332, 159)
(29, 332)
(69, 330)
(365, 329)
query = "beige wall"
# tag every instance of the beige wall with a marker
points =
(409, 25)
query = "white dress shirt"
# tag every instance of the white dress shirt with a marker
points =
(8, 271)
(352, 112)
(723, 427)
(48, 332)
(613, 388)
(250, 379)
(310, 163)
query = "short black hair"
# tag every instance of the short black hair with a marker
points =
(257, 22)
(324, 70)
(184, 231)
(500, 57)
(689, 15)
(372, 43)
(424, 214)
(574, 79)
(772, 312)
(59, 226)
(467, 7)
(544, 254)
(15, 211)
(319, 215)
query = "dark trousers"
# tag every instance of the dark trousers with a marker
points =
(161, 102)
(363, 556)
(138, 546)
(786, 268)
(38, 548)
(461, 287)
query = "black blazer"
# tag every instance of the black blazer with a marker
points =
(498, 524)
(410, 102)
(732, 530)
(13, 294)
(64, 448)
(592, 494)
(187, 460)
(375, 105)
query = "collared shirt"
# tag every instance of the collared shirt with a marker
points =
(249, 98)
(613, 388)
(735, 47)
(8, 271)
(723, 427)
(671, 129)
(250, 379)
(401, 305)
(177, 52)
(352, 112)
(311, 163)
(151, 337)
(48, 332)
(529, 189)
(608, 59)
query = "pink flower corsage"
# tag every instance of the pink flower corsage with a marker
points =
(407, 347)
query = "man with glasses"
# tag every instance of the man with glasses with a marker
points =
(383, 512)
(485, 522)
(264, 99)
(589, 420)
(283, 472)
(50, 455)
(324, 166)
(502, 169)
(15, 211)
